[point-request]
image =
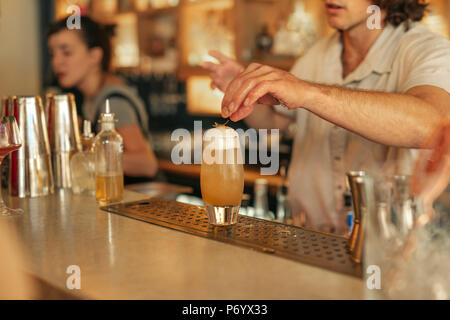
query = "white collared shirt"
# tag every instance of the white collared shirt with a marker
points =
(323, 152)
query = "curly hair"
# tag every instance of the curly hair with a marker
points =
(399, 11)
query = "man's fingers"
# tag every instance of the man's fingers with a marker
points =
(252, 70)
(210, 66)
(268, 99)
(259, 91)
(267, 92)
(219, 56)
(241, 113)
(239, 96)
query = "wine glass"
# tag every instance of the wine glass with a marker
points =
(9, 141)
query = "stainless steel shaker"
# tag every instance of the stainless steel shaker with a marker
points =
(64, 136)
(352, 176)
(30, 169)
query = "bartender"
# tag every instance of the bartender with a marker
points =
(362, 99)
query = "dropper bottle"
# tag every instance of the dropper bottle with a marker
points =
(108, 149)
(87, 137)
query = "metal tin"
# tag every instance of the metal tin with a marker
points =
(64, 136)
(30, 171)
(352, 176)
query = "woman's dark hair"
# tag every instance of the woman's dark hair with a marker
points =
(93, 35)
(399, 11)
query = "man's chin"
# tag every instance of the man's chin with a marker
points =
(336, 25)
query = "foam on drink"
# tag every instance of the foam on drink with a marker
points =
(221, 146)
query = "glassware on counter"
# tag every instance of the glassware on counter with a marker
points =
(261, 201)
(30, 167)
(357, 199)
(108, 149)
(408, 234)
(283, 208)
(9, 141)
(82, 164)
(222, 175)
(63, 134)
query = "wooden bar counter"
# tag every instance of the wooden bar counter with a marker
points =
(122, 258)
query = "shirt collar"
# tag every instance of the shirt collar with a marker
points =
(379, 59)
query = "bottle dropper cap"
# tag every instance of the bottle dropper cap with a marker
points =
(87, 133)
(107, 116)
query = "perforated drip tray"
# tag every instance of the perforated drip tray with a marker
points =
(306, 246)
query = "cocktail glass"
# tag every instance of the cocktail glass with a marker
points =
(222, 175)
(9, 141)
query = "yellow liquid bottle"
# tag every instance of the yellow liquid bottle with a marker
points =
(108, 149)
(109, 187)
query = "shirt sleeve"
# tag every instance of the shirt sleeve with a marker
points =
(124, 112)
(426, 61)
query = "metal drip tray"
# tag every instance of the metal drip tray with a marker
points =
(315, 248)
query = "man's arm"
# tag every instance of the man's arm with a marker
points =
(402, 120)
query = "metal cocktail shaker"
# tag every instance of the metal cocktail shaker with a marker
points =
(355, 180)
(30, 170)
(64, 136)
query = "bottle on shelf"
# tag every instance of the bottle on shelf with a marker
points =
(261, 202)
(245, 202)
(264, 40)
(82, 164)
(108, 149)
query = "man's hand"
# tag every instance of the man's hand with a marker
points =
(224, 72)
(260, 84)
(432, 171)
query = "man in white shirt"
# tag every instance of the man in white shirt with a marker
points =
(362, 98)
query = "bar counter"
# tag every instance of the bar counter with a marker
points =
(122, 258)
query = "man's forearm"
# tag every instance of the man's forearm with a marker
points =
(400, 120)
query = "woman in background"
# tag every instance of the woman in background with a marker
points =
(80, 59)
